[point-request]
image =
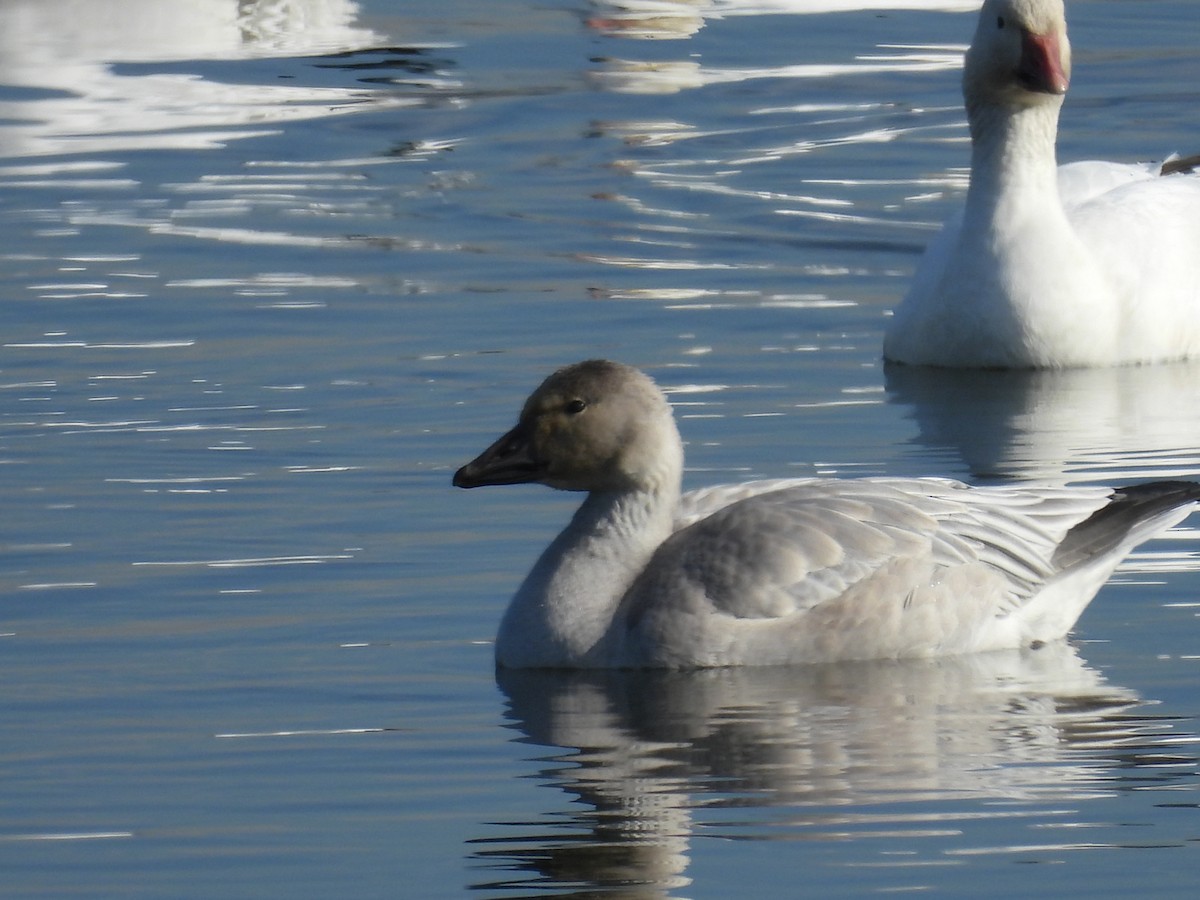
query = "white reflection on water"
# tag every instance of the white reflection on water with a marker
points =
(787, 160)
(73, 54)
(625, 76)
(881, 753)
(94, 79)
(1112, 424)
(673, 19)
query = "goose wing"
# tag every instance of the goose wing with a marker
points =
(790, 546)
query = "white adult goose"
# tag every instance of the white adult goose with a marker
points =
(1090, 264)
(790, 571)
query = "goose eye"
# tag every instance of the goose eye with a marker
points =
(1000, 22)
(574, 407)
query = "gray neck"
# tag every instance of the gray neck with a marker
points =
(566, 606)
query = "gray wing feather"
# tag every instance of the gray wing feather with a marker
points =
(787, 546)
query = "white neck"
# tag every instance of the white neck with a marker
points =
(1040, 286)
(1013, 160)
(565, 608)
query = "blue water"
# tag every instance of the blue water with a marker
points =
(270, 272)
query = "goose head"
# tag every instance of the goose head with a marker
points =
(1020, 56)
(593, 426)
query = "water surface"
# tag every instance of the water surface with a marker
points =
(271, 271)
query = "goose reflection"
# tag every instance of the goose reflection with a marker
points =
(677, 19)
(647, 756)
(64, 52)
(1056, 425)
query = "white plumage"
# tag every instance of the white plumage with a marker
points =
(1088, 264)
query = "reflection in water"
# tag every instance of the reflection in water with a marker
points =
(787, 161)
(663, 190)
(635, 77)
(874, 751)
(67, 51)
(668, 19)
(90, 82)
(1072, 425)
(225, 453)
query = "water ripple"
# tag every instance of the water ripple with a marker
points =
(882, 755)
